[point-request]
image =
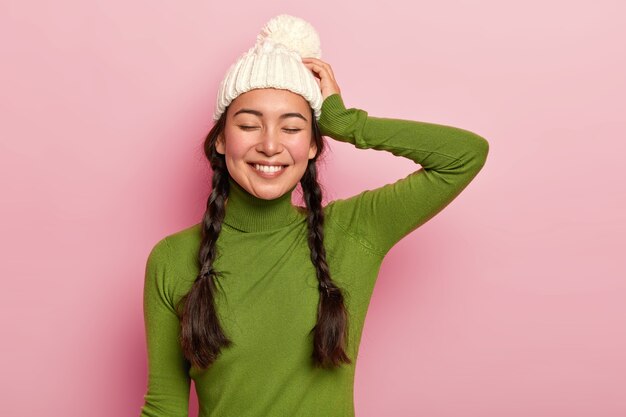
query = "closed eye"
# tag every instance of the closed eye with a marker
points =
(245, 127)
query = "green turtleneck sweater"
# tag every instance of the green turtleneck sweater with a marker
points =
(268, 291)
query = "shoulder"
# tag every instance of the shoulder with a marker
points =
(179, 240)
(177, 251)
(342, 207)
(185, 238)
(350, 218)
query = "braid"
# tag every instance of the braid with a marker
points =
(201, 335)
(331, 331)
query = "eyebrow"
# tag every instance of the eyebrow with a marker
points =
(282, 116)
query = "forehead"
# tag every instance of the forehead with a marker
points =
(271, 101)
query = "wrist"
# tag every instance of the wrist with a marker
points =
(334, 118)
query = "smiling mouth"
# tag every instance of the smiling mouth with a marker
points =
(268, 169)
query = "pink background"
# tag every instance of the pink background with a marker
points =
(511, 302)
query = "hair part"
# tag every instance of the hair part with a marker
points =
(202, 337)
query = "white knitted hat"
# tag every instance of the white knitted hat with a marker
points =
(275, 61)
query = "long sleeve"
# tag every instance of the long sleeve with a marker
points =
(168, 381)
(450, 158)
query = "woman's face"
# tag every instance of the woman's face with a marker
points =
(267, 141)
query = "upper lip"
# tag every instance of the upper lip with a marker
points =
(276, 164)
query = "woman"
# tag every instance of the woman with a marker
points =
(262, 304)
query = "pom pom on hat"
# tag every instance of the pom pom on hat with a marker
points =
(275, 61)
(295, 33)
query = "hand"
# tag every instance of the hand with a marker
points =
(324, 73)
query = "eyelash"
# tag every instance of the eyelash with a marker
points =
(253, 127)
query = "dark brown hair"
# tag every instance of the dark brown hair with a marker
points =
(202, 336)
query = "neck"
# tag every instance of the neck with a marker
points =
(249, 213)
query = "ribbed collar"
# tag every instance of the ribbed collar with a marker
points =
(248, 213)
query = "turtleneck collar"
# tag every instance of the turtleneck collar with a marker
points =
(249, 213)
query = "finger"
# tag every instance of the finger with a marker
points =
(316, 69)
(316, 61)
(320, 65)
(320, 69)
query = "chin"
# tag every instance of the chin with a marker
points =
(264, 191)
(268, 194)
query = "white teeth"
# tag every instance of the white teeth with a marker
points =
(268, 168)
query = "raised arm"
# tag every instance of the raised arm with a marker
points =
(168, 381)
(450, 158)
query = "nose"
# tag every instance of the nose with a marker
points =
(269, 142)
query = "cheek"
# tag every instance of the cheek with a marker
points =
(302, 156)
(235, 146)
(301, 150)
